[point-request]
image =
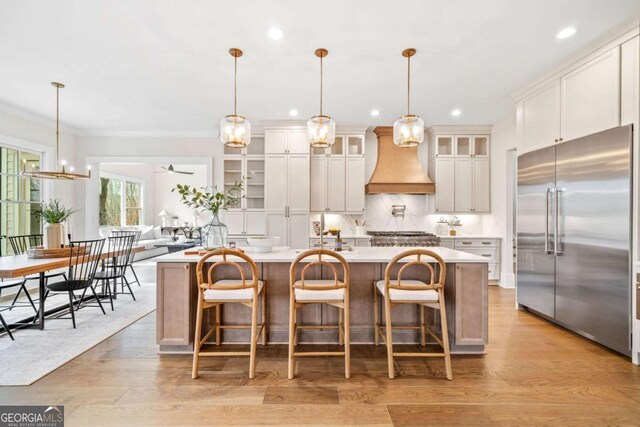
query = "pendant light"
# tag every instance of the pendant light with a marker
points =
(321, 130)
(408, 130)
(61, 174)
(235, 130)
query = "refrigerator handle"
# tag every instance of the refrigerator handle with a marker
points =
(556, 223)
(548, 192)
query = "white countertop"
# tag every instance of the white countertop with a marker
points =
(358, 255)
(343, 236)
(470, 236)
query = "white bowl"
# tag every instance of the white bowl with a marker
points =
(263, 243)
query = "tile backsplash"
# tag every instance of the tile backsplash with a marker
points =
(417, 217)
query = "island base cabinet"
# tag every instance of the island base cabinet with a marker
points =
(465, 297)
(467, 305)
(176, 299)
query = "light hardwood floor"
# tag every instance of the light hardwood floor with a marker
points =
(534, 374)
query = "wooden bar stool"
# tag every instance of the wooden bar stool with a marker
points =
(332, 292)
(236, 291)
(396, 292)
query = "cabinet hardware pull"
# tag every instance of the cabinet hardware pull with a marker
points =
(486, 255)
(486, 243)
(561, 139)
(555, 140)
(466, 243)
(186, 267)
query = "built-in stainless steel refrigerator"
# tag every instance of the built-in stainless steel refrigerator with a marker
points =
(574, 235)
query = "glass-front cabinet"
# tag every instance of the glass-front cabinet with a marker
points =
(247, 164)
(472, 146)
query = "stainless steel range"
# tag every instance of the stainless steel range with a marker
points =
(403, 238)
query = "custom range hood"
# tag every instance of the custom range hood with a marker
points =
(397, 168)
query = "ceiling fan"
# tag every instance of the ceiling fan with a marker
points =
(170, 169)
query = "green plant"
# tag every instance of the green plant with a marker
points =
(201, 199)
(53, 212)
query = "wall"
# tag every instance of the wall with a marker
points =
(165, 199)
(39, 135)
(500, 223)
(157, 150)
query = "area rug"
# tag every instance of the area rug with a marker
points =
(35, 353)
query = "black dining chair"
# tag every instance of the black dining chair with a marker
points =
(136, 241)
(83, 263)
(20, 245)
(114, 268)
(14, 283)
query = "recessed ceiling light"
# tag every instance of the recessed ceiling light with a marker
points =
(293, 112)
(565, 33)
(456, 113)
(275, 33)
(375, 113)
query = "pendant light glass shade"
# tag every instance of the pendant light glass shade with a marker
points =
(235, 130)
(62, 173)
(321, 130)
(408, 130)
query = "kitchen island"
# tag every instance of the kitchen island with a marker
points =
(465, 297)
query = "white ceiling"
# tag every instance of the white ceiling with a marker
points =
(163, 66)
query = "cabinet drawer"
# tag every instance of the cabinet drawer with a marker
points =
(490, 253)
(476, 243)
(494, 271)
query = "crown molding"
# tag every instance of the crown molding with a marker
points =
(459, 129)
(34, 118)
(149, 134)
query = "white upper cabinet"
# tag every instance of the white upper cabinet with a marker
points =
(444, 146)
(286, 141)
(275, 141)
(275, 176)
(319, 188)
(354, 187)
(337, 176)
(336, 185)
(459, 164)
(597, 93)
(463, 184)
(297, 142)
(591, 97)
(445, 184)
(463, 146)
(481, 185)
(629, 81)
(297, 183)
(538, 118)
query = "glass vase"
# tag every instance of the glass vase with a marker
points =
(215, 234)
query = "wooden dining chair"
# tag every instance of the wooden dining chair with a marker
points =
(397, 292)
(334, 292)
(243, 291)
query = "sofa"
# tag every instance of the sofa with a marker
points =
(150, 236)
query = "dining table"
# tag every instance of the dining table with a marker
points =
(20, 266)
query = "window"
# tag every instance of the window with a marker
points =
(19, 196)
(120, 201)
